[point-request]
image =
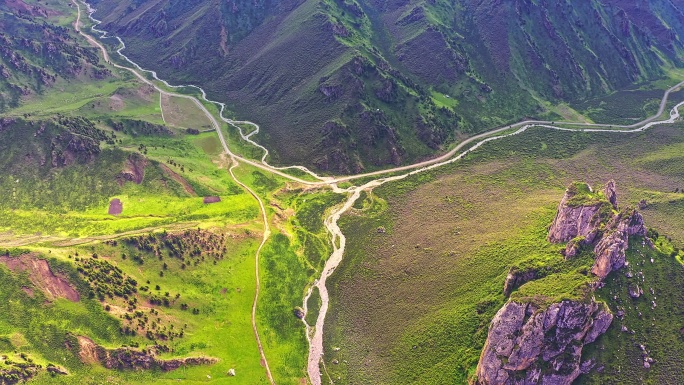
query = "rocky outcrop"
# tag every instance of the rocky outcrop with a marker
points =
(527, 345)
(610, 249)
(134, 169)
(610, 193)
(575, 220)
(587, 218)
(634, 290)
(531, 344)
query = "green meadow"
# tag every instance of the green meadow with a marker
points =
(426, 256)
(412, 305)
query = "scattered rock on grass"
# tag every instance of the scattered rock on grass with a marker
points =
(211, 199)
(115, 207)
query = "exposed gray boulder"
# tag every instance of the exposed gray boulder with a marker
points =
(610, 249)
(610, 193)
(527, 345)
(574, 220)
(635, 291)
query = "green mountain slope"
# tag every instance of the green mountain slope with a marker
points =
(352, 85)
(34, 55)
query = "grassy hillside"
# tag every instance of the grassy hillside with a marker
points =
(35, 56)
(412, 305)
(657, 328)
(123, 233)
(114, 266)
(346, 86)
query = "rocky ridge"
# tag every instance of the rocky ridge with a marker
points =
(540, 346)
(532, 344)
(588, 218)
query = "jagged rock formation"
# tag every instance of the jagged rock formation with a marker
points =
(610, 193)
(528, 345)
(534, 344)
(578, 214)
(130, 358)
(20, 368)
(610, 250)
(587, 218)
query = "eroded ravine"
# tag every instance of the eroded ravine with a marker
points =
(338, 239)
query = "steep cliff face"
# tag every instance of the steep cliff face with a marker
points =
(588, 218)
(578, 214)
(530, 343)
(527, 345)
(610, 250)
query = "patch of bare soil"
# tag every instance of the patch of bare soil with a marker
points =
(116, 102)
(28, 291)
(211, 199)
(88, 350)
(42, 276)
(134, 169)
(115, 207)
(147, 92)
(188, 188)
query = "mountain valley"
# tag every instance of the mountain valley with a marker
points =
(341, 191)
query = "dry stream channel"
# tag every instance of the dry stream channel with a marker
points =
(337, 238)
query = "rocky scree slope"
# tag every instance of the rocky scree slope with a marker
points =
(348, 85)
(533, 343)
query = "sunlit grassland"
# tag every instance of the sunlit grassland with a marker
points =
(196, 158)
(184, 113)
(442, 100)
(413, 304)
(117, 96)
(222, 291)
(151, 203)
(179, 172)
(290, 260)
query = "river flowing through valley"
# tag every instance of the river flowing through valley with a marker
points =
(337, 237)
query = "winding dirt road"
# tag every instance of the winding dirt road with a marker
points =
(315, 332)
(235, 163)
(339, 240)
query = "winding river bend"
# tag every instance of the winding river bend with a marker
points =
(338, 239)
